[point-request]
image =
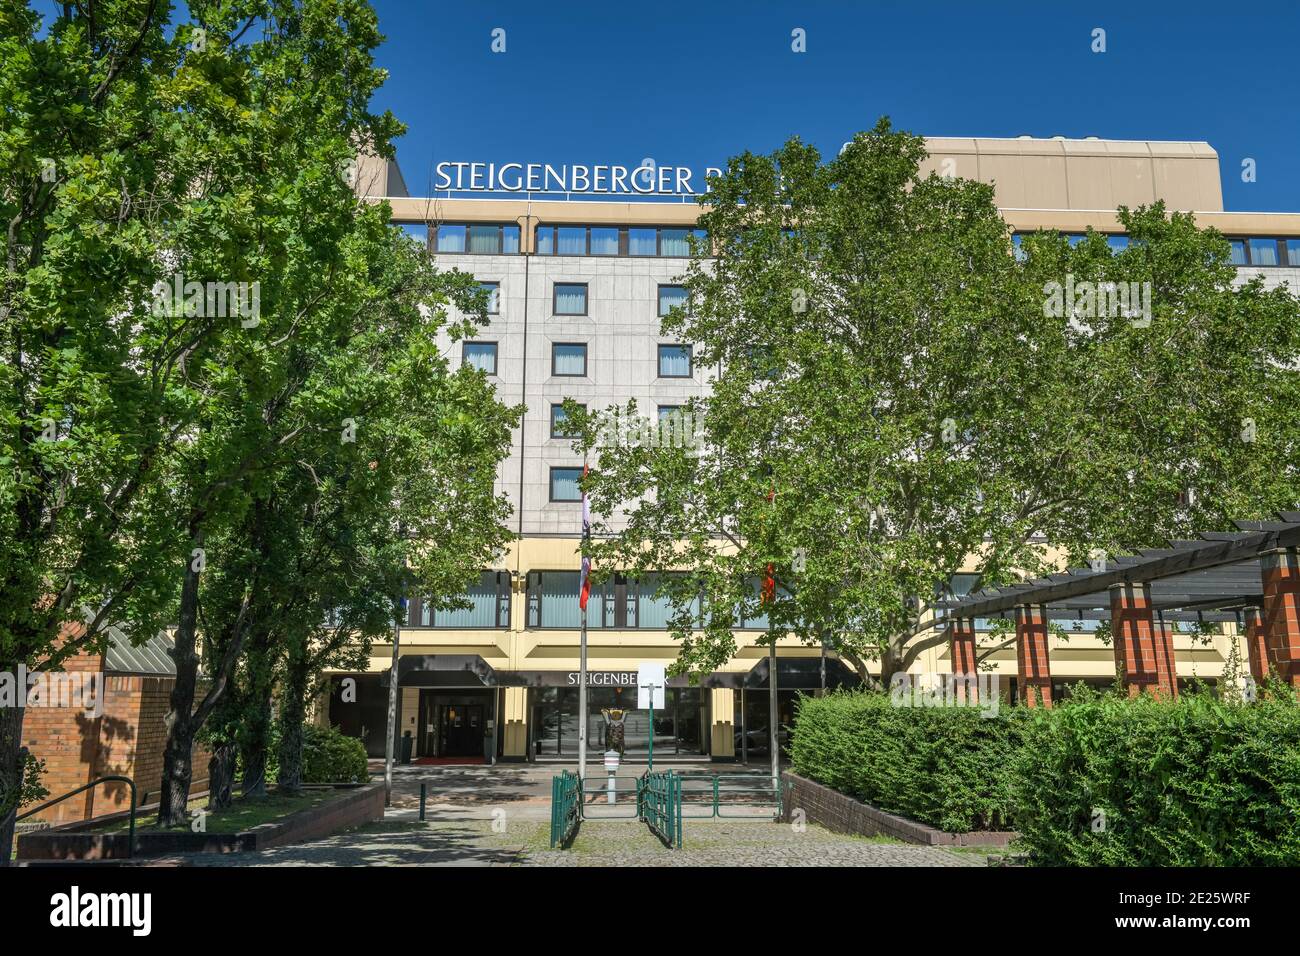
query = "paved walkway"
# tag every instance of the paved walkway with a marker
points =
(500, 816)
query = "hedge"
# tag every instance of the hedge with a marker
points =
(1107, 781)
(948, 767)
(328, 756)
(1098, 780)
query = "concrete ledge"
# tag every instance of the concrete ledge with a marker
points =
(358, 804)
(844, 814)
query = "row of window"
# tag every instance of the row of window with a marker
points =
(503, 239)
(651, 241)
(569, 359)
(558, 417)
(570, 298)
(1246, 251)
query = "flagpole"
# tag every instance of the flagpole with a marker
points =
(582, 699)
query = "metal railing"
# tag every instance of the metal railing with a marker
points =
(130, 845)
(661, 806)
(596, 793)
(708, 795)
(566, 808)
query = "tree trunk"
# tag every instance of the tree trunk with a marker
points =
(221, 777)
(255, 742)
(293, 712)
(11, 771)
(178, 753)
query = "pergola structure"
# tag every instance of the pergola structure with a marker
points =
(1250, 576)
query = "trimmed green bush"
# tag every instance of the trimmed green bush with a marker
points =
(1107, 781)
(1099, 780)
(948, 767)
(331, 756)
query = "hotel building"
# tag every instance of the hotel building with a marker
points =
(578, 283)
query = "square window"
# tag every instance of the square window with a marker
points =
(642, 242)
(451, 239)
(481, 355)
(564, 484)
(493, 290)
(571, 240)
(671, 296)
(569, 358)
(674, 361)
(673, 242)
(484, 239)
(1263, 252)
(604, 241)
(557, 422)
(570, 298)
(668, 411)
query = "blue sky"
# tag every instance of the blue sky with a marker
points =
(691, 83)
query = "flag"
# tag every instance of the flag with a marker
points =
(769, 582)
(584, 586)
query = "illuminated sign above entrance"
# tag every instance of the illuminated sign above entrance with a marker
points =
(647, 179)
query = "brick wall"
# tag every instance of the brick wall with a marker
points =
(127, 738)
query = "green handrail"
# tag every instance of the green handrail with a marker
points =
(112, 778)
(566, 807)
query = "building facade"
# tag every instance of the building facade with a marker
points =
(577, 288)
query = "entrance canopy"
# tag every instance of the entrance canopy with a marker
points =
(1214, 578)
(800, 673)
(442, 670)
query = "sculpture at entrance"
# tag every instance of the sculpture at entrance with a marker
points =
(614, 729)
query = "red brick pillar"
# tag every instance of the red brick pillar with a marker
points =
(961, 647)
(1280, 613)
(1166, 662)
(1032, 663)
(1134, 632)
(1257, 652)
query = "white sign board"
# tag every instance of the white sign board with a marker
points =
(650, 677)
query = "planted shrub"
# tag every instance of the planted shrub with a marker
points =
(331, 756)
(1107, 781)
(948, 767)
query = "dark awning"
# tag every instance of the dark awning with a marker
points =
(801, 673)
(442, 670)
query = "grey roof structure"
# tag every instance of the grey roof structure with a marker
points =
(149, 659)
(1211, 578)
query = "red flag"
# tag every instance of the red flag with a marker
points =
(584, 586)
(769, 582)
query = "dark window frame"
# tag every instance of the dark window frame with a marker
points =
(586, 355)
(496, 283)
(555, 300)
(624, 243)
(504, 597)
(550, 486)
(659, 292)
(557, 405)
(501, 228)
(496, 353)
(690, 359)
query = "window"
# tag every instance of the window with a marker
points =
(489, 600)
(481, 355)
(564, 484)
(671, 296)
(1263, 252)
(674, 361)
(553, 600)
(477, 238)
(569, 298)
(569, 358)
(668, 411)
(642, 242)
(1117, 243)
(1238, 255)
(451, 239)
(1017, 248)
(604, 241)
(1075, 238)
(1293, 251)
(546, 240)
(557, 422)
(493, 290)
(673, 242)
(416, 230)
(571, 240)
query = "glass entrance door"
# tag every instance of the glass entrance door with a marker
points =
(461, 730)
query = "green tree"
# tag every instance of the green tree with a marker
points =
(892, 397)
